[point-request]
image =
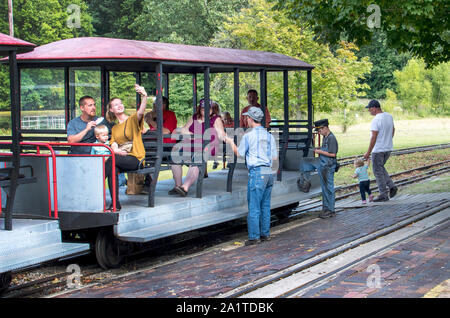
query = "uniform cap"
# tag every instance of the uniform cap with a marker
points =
(320, 123)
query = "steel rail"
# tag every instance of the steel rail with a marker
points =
(348, 160)
(335, 252)
(372, 188)
(13, 291)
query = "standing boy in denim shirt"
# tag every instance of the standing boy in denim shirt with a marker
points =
(259, 149)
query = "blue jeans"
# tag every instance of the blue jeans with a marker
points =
(259, 189)
(364, 186)
(325, 167)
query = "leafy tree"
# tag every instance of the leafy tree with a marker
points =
(335, 77)
(113, 18)
(45, 21)
(41, 22)
(183, 21)
(414, 87)
(419, 26)
(385, 61)
(440, 81)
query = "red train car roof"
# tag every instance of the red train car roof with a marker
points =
(8, 43)
(109, 49)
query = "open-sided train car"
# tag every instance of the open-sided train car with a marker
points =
(70, 189)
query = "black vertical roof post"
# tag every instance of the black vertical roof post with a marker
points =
(263, 93)
(15, 133)
(310, 111)
(232, 165)
(72, 102)
(103, 89)
(206, 73)
(66, 95)
(19, 103)
(285, 137)
(159, 133)
(166, 85)
(138, 76)
(194, 92)
(108, 93)
(207, 97)
(236, 98)
(159, 103)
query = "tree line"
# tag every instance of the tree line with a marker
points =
(343, 70)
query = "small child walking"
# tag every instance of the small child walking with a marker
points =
(101, 133)
(361, 172)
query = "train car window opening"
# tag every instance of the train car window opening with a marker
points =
(42, 103)
(84, 81)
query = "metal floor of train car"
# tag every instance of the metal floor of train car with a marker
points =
(33, 242)
(175, 214)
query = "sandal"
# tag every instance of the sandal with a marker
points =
(110, 208)
(172, 192)
(179, 190)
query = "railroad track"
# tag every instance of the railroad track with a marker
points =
(316, 203)
(298, 279)
(349, 160)
(58, 280)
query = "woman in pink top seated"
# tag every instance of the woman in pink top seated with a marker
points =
(197, 124)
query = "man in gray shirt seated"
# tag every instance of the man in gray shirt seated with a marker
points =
(81, 129)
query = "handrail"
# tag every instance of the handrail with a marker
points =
(82, 155)
(53, 155)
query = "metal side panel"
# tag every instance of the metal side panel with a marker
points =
(32, 242)
(80, 186)
(80, 183)
(25, 258)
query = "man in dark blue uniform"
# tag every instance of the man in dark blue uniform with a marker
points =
(325, 166)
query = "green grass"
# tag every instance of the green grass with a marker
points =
(396, 164)
(408, 133)
(435, 185)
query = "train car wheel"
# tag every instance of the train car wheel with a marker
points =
(5, 280)
(107, 250)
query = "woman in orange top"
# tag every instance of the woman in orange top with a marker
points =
(126, 139)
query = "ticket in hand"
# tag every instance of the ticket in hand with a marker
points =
(99, 120)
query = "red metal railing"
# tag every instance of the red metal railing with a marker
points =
(53, 155)
(38, 154)
(89, 155)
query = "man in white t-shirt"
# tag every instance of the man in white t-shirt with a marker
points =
(382, 128)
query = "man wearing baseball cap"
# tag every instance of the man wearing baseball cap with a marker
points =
(380, 146)
(325, 166)
(260, 151)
